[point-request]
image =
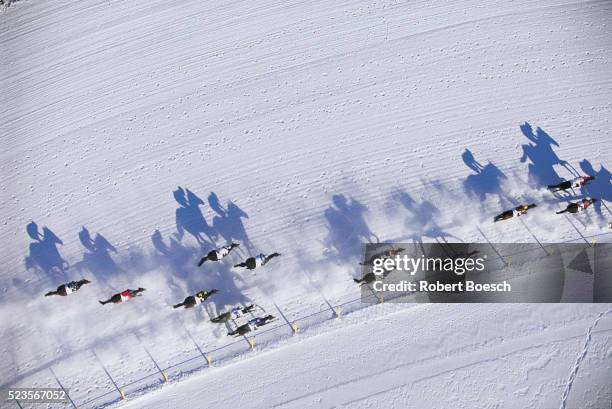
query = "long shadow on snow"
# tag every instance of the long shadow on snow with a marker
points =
(97, 259)
(228, 223)
(486, 179)
(44, 255)
(347, 228)
(422, 219)
(601, 187)
(541, 154)
(189, 217)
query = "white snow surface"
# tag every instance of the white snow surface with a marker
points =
(142, 134)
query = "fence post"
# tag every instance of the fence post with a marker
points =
(62, 386)
(282, 315)
(316, 287)
(163, 374)
(207, 357)
(120, 390)
(492, 246)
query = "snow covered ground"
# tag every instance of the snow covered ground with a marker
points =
(142, 134)
(458, 357)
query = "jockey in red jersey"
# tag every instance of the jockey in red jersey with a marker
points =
(124, 296)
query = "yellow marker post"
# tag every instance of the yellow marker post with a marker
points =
(252, 343)
(594, 240)
(209, 360)
(338, 312)
(295, 328)
(166, 378)
(123, 395)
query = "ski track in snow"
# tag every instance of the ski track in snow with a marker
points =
(325, 124)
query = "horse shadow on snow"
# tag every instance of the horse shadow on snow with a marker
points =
(347, 228)
(542, 157)
(228, 223)
(97, 258)
(600, 188)
(421, 219)
(190, 219)
(485, 180)
(44, 254)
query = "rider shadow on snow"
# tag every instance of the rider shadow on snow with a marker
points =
(486, 180)
(542, 157)
(601, 187)
(422, 220)
(347, 228)
(228, 223)
(189, 217)
(97, 259)
(44, 255)
(178, 258)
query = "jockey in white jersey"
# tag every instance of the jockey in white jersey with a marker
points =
(218, 254)
(233, 314)
(261, 259)
(252, 325)
(68, 288)
(570, 184)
